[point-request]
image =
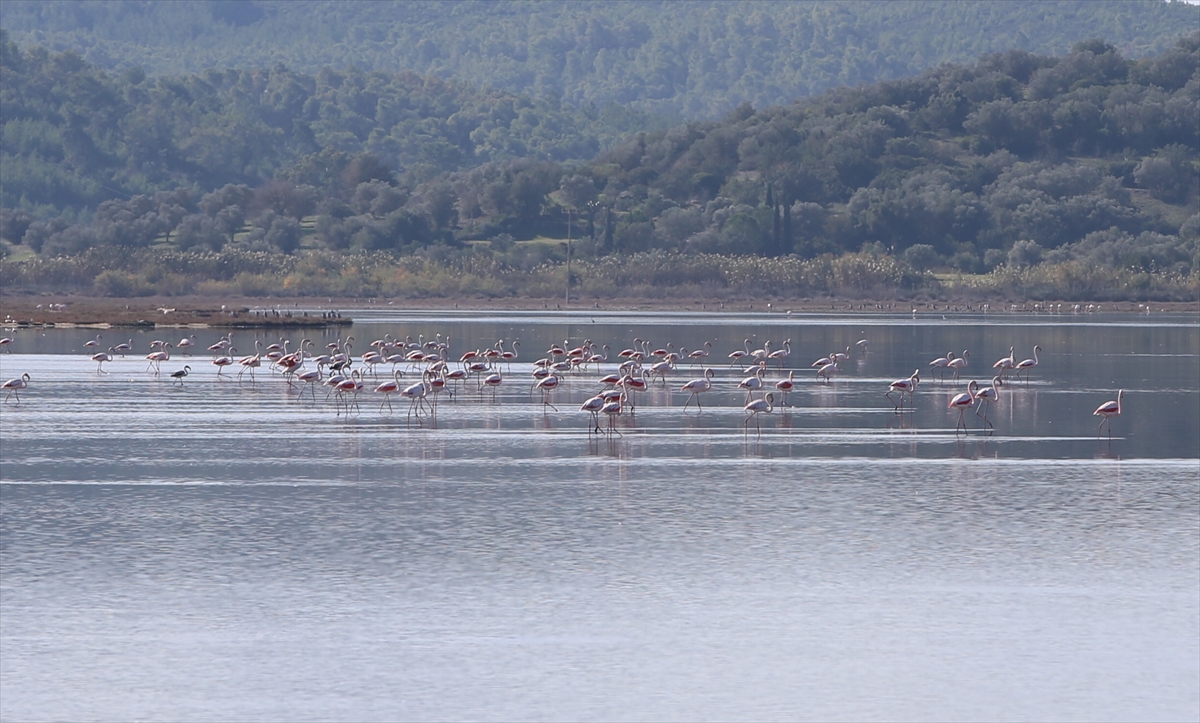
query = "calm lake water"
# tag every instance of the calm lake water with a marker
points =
(220, 550)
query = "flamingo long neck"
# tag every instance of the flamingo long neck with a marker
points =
(1035, 359)
(1120, 392)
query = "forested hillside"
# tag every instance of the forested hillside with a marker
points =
(1088, 158)
(692, 59)
(75, 135)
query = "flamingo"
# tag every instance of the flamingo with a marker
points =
(785, 386)
(959, 363)
(904, 386)
(739, 354)
(987, 397)
(781, 355)
(5, 343)
(1006, 364)
(493, 381)
(16, 385)
(156, 358)
(93, 342)
(416, 393)
(597, 358)
(179, 375)
(593, 406)
(962, 402)
(223, 361)
(839, 356)
(941, 363)
(351, 385)
(631, 383)
(754, 383)
(661, 368)
(1028, 364)
(310, 378)
(700, 355)
(186, 342)
(123, 347)
(611, 409)
(546, 386)
(757, 407)
(697, 387)
(251, 362)
(220, 345)
(1108, 410)
(101, 357)
(510, 356)
(387, 389)
(828, 370)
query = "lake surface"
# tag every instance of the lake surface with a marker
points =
(220, 550)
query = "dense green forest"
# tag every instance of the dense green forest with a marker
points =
(1088, 159)
(75, 135)
(693, 60)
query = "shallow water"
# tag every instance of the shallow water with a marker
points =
(220, 550)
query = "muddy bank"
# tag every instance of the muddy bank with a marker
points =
(244, 312)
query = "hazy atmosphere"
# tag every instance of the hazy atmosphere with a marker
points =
(600, 361)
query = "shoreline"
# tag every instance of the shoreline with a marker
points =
(51, 311)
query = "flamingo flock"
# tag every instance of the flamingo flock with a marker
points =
(423, 372)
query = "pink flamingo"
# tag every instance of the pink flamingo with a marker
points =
(1108, 410)
(987, 397)
(699, 355)
(739, 354)
(309, 378)
(156, 358)
(593, 406)
(223, 361)
(785, 386)
(100, 357)
(754, 383)
(962, 402)
(1006, 364)
(697, 387)
(959, 363)
(546, 386)
(387, 389)
(904, 386)
(941, 363)
(611, 409)
(757, 407)
(16, 385)
(1027, 364)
